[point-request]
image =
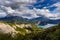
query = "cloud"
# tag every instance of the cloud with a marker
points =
(9, 5)
(20, 8)
(2, 13)
(19, 1)
(56, 12)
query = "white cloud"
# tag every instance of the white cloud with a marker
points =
(23, 10)
(26, 1)
(57, 10)
(2, 13)
(9, 10)
(20, 1)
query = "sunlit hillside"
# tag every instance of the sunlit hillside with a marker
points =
(10, 31)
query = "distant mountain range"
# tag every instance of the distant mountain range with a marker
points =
(45, 20)
(42, 20)
(13, 19)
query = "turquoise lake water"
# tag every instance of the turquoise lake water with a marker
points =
(46, 26)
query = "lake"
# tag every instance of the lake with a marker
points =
(46, 26)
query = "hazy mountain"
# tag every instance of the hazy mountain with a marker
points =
(44, 20)
(14, 19)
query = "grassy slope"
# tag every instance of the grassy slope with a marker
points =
(52, 33)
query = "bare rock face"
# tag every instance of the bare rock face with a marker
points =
(5, 28)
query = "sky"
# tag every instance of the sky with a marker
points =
(30, 8)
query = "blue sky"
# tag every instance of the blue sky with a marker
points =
(31, 8)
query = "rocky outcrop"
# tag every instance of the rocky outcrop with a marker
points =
(5, 28)
(24, 25)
